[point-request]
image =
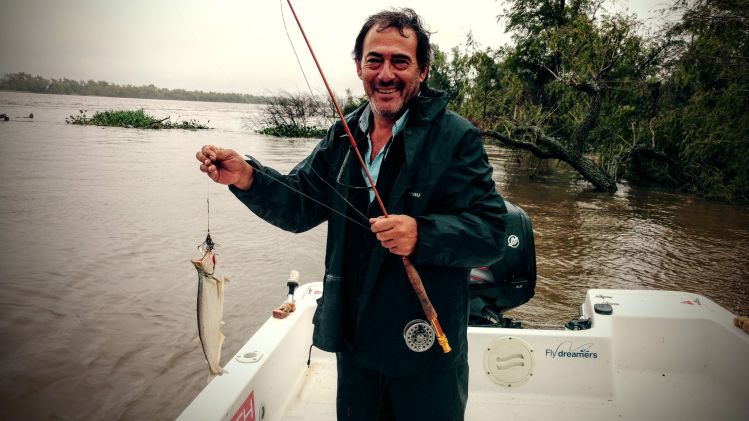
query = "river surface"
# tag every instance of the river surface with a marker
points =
(97, 311)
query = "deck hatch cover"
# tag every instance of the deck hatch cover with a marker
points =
(509, 361)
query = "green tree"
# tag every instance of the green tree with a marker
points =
(571, 88)
(703, 115)
(585, 86)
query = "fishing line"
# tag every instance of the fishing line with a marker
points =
(288, 36)
(208, 203)
(351, 205)
(208, 244)
(366, 227)
(283, 19)
(291, 43)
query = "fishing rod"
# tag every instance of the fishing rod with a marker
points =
(413, 275)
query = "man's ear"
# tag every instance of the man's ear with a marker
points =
(423, 74)
(358, 68)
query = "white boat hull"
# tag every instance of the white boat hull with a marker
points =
(661, 355)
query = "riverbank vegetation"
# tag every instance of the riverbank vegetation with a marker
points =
(25, 82)
(294, 115)
(131, 119)
(596, 90)
(301, 114)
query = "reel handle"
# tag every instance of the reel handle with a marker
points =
(441, 337)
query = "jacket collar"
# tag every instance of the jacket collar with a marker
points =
(428, 105)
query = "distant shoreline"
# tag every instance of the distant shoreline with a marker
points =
(24, 82)
(131, 97)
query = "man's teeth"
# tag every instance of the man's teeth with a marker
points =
(386, 91)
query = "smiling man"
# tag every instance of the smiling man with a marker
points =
(432, 172)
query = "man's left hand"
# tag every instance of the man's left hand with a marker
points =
(397, 233)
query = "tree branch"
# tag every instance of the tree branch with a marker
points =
(547, 147)
(520, 144)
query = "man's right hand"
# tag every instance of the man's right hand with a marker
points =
(225, 166)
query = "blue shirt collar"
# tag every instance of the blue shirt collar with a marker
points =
(365, 117)
(374, 167)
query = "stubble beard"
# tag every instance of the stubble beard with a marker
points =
(394, 112)
(388, 113)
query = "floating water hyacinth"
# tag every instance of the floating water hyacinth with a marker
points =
(132, 119)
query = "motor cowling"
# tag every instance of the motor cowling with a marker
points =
(509, 282)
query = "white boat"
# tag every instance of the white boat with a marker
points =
(658, 355)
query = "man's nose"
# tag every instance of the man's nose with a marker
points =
(386, 73)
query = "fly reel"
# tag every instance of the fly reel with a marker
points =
(419, 336)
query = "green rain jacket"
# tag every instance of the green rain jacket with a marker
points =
(445, 184)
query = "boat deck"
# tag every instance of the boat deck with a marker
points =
(639, 396)
(659, 356)
(314, 398)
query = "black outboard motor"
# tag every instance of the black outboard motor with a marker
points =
(510, 281)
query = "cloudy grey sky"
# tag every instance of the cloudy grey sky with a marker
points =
(225, 45)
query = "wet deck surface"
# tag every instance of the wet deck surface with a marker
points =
(314, 400)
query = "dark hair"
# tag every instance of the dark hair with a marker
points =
(398, 19)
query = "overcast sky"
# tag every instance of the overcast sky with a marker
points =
(226, 45)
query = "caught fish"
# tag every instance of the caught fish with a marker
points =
(210, 308)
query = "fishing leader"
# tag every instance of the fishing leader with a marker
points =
(432, 172)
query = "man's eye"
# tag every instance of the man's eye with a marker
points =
(400, 64)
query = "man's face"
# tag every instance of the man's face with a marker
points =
(389, 71)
